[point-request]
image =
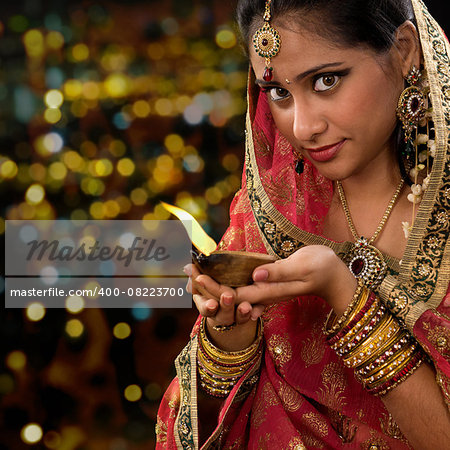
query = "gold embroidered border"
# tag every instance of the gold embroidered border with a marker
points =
(186, 423)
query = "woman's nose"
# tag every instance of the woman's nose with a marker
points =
(308, 123)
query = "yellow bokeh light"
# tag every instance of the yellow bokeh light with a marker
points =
(121, 330)
(97, 210)
(141, 108)
(164, 163)
(80, 52)
(74, 304)
(26, 211)
(52, 115)
(54, 40)
(52, 439)
(133, 393)
(54, 98)
(79, 214)
(34, 43)
(35, 194)
(79, 108)
(117, 148)
(74, 328)
(91, 90)
(161, 213)
(231, 162)
(213, 195)
(35, 312)
(73, 160)
(182, 103)
(124, 203)
(125, 167)
(117, 85)
(138, 196)
(73, 89)
(16, 360)
(57, 170)
(226, 39)
(8, 169)
(163, 107)
(174, 143)
(102, 167)
(111, 208)
(31, 433)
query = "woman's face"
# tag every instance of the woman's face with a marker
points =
(335, 105)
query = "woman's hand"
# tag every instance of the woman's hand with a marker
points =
(218, 303)
(311, 270)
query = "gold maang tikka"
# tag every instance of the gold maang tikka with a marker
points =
(266, 42)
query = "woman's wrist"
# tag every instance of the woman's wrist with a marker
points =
(238, 338)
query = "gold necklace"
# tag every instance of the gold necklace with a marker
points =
(364, 260)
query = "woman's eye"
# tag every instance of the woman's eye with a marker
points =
(325, 82)
(277, 93)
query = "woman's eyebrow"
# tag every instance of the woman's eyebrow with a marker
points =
(302, 75)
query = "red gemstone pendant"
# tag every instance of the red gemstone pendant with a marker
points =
(268, 75)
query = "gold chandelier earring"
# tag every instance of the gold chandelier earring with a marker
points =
(267, 42)
(411, 107)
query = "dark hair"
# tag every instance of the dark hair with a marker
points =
(347, 22)
(350, 23)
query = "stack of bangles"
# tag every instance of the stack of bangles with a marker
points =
(219, 370)
(372, 342)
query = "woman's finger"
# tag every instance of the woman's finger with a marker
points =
(243, 312)
(226, 314)
(207, 307)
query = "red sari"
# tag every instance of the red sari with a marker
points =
(306, 397)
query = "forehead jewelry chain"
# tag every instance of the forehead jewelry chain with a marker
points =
(364, 260)
(266, 42)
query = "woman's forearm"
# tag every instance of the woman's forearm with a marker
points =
(418, 407)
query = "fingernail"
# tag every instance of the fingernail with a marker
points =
(260, 275)
(187, 269)
(227, 299)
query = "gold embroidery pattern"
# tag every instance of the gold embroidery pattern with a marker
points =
(444, 382)
(290, 398)
(311, 441)
(334, 384)
(259, 412)
(317, 423)
(280, 349)
(296, 444)
(375, 443)
(161, 431)
(439, 336)
(390, 428)
(313, 348)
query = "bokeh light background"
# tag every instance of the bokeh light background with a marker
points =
(106, 108)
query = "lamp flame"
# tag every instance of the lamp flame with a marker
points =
(198, 236)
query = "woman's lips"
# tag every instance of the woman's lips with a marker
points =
(323, 154)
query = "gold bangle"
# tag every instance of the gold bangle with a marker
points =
(365, 350)
(229, 357)
(333, 324)
(365, 320)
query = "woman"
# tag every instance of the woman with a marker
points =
(347, 136)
